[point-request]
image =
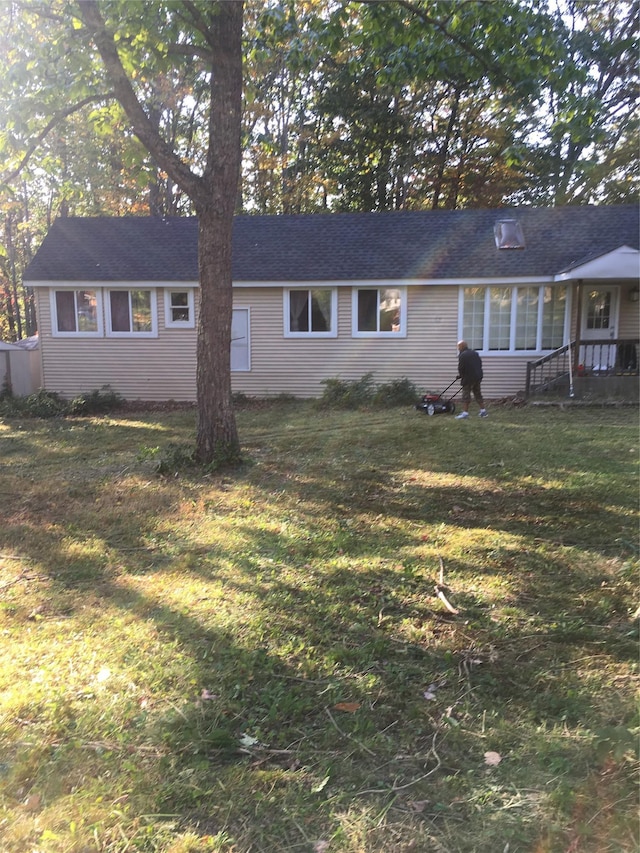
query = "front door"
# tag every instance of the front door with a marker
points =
(600, 306)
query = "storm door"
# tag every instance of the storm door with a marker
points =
(599, 325)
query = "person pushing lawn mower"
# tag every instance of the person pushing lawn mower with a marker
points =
(470, 375)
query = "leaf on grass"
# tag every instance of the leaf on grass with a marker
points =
(33, 803)
(349, 707)
(492, 758)
(430, 692)
(320, 846)
(317, 788)
(247, 740)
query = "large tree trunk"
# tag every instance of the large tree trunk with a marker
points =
(217, 437)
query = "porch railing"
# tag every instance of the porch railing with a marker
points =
(604, 357)
(550, 371)
(608, 357)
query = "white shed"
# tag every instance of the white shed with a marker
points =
(21, 367)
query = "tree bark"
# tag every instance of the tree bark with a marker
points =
(217, 437)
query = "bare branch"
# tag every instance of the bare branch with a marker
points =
(190, 51)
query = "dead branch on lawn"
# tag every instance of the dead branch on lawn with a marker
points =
(443, 598)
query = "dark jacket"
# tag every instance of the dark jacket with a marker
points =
(469, 367)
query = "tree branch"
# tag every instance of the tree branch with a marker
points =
(417, 11)
(198, 21)
(147, 133)
(56, 120)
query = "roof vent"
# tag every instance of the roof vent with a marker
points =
(508, 234)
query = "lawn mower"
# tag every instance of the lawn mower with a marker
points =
(435, 404)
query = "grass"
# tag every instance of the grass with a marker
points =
(259, 661)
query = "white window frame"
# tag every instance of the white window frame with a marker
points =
(179, 324)
(286, 294)
(512, 331)
(131, 334)
(98, 333)
(401, 333)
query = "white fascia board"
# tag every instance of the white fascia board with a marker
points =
(391, 282)
(111, 285)
(622, 264)
(403, 282)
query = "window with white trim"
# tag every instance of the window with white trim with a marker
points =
(179, 308)
(310, 312)
(527, 318)
(131, 313)
(76, 312)
(379, 311)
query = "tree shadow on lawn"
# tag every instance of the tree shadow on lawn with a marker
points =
(356, 520)
(345, 615)
(290, 702)
(311, 641)
(239, 690)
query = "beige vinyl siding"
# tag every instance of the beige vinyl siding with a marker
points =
(427, 356)
(162, 368)
(629, 315)
(297, 366)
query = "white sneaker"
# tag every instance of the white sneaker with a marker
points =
(483, 413)
(462, 415)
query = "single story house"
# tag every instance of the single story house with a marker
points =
(540, 293)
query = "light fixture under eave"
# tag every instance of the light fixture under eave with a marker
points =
(633, 294)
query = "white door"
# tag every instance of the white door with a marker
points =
(240, 343)
(600, 306)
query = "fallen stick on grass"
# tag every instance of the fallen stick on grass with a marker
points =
(444, 600)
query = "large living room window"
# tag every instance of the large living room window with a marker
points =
(75, 312)
(514, 319)
(378, 311)
(131, 313)
(310, 312)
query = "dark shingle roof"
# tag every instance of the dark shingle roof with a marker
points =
(456, 244)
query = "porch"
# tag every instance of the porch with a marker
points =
(604, 368)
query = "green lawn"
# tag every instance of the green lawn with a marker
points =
(258, 662)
